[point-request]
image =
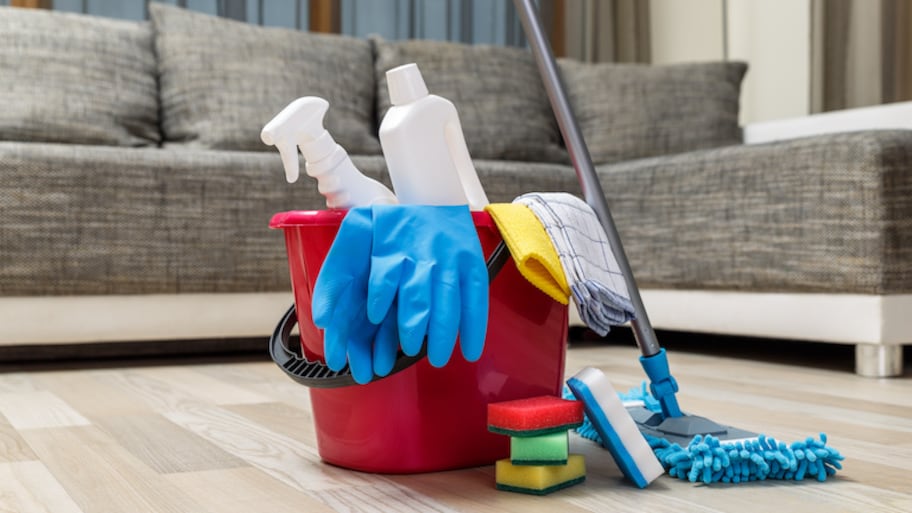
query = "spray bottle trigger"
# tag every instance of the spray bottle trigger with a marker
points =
(272, 135)
(289, 152)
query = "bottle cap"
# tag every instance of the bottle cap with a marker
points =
(405, 84)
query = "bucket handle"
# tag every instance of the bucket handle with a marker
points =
(316, 374)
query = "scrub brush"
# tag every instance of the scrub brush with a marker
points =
(606, 415)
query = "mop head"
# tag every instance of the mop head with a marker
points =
(709, 460)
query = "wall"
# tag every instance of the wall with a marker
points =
(773, 36)
(686, 31)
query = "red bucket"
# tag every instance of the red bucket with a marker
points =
(425, 419)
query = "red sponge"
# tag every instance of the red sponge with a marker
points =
(534, 416)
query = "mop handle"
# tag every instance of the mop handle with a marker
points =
(582, 163)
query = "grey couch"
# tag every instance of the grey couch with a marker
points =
(135, 192)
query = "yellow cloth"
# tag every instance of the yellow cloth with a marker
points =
(531, 249)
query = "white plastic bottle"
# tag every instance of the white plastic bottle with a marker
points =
(300, 125)
(422, 140)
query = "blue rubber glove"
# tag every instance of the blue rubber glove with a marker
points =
(339, 305)
(429, 259)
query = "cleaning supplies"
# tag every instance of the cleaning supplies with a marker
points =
(300, 125)
(707, 459)
(695, 448)
(422, 140)
(531, 249)
(419, 267)
(534, 416)
(588, 259)
(429, 261)
(339, 305)
(423, 258)
(420, 419)
(540, 461)
(539, 479)
(670, 419)
(617, 431)
(550, 449)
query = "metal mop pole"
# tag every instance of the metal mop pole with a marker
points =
(595, 196)
(585, 171)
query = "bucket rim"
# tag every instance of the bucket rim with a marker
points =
(296, 218)
(293, 218)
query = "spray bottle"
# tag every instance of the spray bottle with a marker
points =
(300, 125)
(425, 150)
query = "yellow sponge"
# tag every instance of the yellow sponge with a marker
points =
(539, 479)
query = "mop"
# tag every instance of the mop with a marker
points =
(708, 459)
(688, 446)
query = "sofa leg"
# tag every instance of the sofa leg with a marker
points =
(878, 361)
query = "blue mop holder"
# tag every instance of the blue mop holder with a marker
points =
(663, 385)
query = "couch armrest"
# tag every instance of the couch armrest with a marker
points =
(878, 117)
(829, 213)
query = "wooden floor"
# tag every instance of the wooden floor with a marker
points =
(236, 436)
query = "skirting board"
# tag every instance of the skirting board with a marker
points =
(836, 318)
(87, 319)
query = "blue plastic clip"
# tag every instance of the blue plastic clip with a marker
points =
(662, 384)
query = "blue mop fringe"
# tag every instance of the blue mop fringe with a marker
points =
(710, 460)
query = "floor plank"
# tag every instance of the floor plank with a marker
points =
(286, 459)
(32, 410)
(203, 386)
(164, 446)
(295, 423)
(226, 437)
(12, 446)
(28, 487)
(90, 393)
(244, 490)
(16, 382)
(102, 476)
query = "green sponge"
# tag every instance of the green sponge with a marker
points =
(551, 449)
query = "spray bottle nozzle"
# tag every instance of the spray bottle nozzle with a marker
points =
(297, 124)
(300, 125)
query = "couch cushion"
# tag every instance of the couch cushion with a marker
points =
(222, 80)
(828, 214)
(76, 79)
(629, 111)
(80, 219)
(497, 91)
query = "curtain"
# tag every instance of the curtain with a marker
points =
(861, 53)
(605, 30)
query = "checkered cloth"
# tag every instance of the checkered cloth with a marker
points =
(595, 279)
